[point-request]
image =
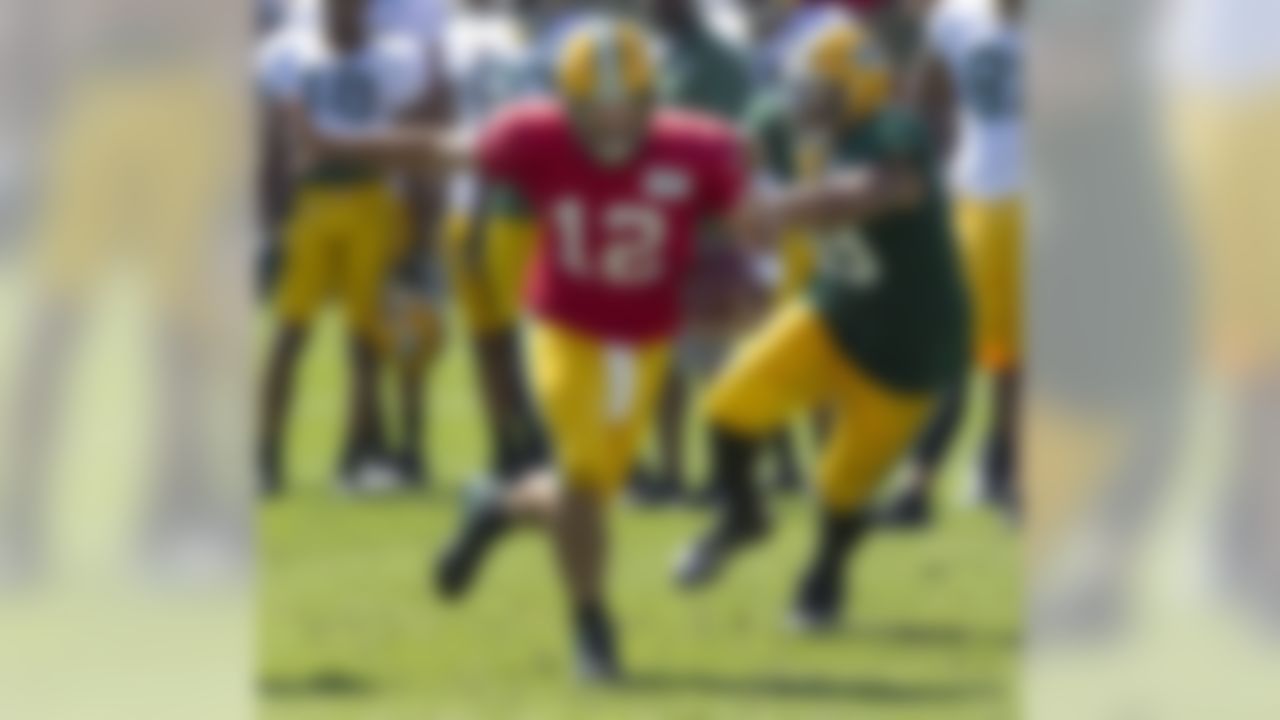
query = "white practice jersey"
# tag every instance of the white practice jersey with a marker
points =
(1221, 44)
(488, 64)
(423, 20)
(984, 55)
(345, 94)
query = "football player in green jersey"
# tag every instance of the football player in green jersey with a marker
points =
(880, 332)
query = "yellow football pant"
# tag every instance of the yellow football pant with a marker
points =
(343, 242)
(792, 364)
(490, 294)
(597, 400)
(130, 191)
(991, 239)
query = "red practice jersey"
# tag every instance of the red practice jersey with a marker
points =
(615, 243)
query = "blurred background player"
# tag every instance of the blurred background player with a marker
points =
(969, 89)
(130, 216)
(491, 62)
(420, 22)
(413, 295)
(881, 332)
(619, 190)
(348, 228)
(1222, 104)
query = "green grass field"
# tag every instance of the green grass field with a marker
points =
(347, 628)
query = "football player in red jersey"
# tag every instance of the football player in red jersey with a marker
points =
(618, 189)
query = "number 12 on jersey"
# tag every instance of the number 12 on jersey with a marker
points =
(630, 254)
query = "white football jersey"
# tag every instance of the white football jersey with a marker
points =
(345, 94)
(984, 55)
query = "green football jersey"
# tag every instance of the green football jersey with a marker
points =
(890, 290)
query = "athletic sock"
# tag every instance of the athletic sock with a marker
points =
(592, 627)
(838, 536)
(999, 471)
(507, 459)
(939, 433)
(590, 618)
(269, 468)
(733, 459)
(521, 444)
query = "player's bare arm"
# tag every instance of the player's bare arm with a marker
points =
(417, 146)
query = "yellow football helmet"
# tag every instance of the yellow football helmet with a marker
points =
(606, 75)
(606, 61)
(840, 53)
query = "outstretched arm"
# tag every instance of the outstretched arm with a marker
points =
(854, 196)
(409, 147)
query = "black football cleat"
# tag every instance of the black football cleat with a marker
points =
(483, 522)
(655, 491)
(908, 511)
(596, 652)
(818, 603)
(704, 559)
